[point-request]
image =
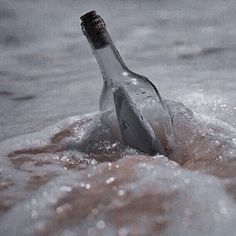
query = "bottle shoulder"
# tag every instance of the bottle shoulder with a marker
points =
(131, 73)
(145, 81)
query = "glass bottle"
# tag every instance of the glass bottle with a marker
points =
(130, 105)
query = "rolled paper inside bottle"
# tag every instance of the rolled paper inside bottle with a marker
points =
(94, 28)
(135, 130)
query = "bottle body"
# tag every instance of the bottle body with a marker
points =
(126, 94)
(148, 101)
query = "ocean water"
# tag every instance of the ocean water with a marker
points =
(61, 171)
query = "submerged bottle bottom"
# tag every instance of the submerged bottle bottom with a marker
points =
(146, 128)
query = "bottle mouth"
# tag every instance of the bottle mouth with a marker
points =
(94, 28)
(92, 23)
(88, 16)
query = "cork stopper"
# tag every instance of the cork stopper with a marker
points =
(88, 16)
(94, 28)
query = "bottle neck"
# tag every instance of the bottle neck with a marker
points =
(111, 64)
(108, 58)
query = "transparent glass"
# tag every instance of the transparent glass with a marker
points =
(139, 88)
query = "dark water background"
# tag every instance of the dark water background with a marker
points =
(47, 70)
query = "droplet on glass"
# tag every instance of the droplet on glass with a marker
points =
(87, 186)
(121, 192)
(110, 180)
(100, 224)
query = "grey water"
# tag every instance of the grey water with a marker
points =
(48, 72)
(61, 173)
